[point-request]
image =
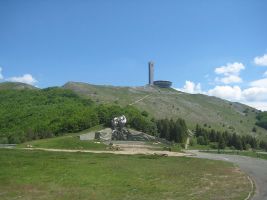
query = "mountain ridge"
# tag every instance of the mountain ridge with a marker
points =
(207, 111)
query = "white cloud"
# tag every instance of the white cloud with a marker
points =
(226, 92)
(26, 78)
(260, 105)
(229, 79)
(230, 69)
(230, 73)
(259, 83)
(1, 75)
(235, 93)
(255, 94)
(261, 60)
(191, 87)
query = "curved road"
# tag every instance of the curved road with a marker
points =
(255, 168)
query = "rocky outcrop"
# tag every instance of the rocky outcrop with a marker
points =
(104, 135)
(124, 134)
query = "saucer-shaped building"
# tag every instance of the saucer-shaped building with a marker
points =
(163, 84)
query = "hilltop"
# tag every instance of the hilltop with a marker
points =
(16, 86)
(210, 112)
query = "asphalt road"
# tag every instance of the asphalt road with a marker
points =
(254, 167)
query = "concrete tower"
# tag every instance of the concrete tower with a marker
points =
(151, 72)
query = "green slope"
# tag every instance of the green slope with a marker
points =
(161, 103)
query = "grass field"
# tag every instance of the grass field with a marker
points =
(51, 175)
(65, 142)
(68, 141)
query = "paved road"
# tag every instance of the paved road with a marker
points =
(254, 167)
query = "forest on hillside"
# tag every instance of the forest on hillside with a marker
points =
(35, 114)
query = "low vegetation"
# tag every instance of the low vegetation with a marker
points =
(54, 175)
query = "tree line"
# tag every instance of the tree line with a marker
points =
(226, 139)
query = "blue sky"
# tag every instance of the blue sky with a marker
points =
(50, 42)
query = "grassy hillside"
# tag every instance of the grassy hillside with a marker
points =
(207, 111)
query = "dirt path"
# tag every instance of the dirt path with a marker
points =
(140, 100)
(124, 150)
